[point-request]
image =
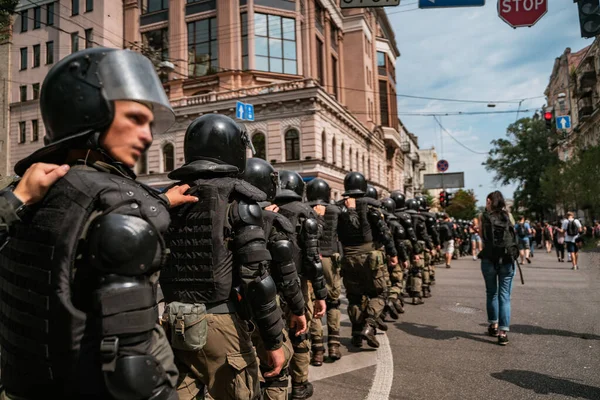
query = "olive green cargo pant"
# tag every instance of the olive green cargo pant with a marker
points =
(364, 273)
(333, 281)
(274, 388)
(301, 344)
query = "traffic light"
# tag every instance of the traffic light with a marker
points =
(589, 17)
(442, 198)
(548, 118)
(448, 199)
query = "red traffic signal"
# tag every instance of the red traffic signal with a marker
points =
(548, 116)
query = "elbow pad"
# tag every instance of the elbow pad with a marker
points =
(311, 237)
(314, 272)
(283, 270)
(261, 294)
(384, 232)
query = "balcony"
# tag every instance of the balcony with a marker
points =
(408, 181)
(586, 78)
(405, 147)
(585, 107)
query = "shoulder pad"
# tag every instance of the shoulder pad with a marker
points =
(250, 213)
(311, 225)
(249, 191)
(283, 223)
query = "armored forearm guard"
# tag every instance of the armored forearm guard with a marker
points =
(401, 248)
(384, 232)
(313, 269)
(285, 275)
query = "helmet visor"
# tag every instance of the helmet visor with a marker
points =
(127, 75)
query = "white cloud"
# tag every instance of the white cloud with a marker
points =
(470, 53)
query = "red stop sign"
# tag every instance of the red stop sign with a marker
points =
(519, 13)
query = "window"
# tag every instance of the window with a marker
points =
(23, 93)
(202, 47)
(35, 130)
(320, 62)
(343, 157)
(258, 140)
(168, 157)
(275, 43)
(157, 43)
(74, 42)
(357, 165)
(383, 104)
(334, 76)
(369, 168)
(142, 164)
(334, 35)
(324, 145)
(380, 59)
(363, 164)
(89, 38)
(37, 17)
(50, 14)
(36, 91)
(319, 16)
(24, 20)
(350, 158)
(244, 22)
(22, 132)
(334, 151)
(149, 6)
(74, 7)
(89, 5)
(292, 145)
(50, 52)
(36, 55)
(23, 58)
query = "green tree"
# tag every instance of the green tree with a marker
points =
(463, 205)
(583, 180)
(525, 157)
(431, 201)
(7, 8)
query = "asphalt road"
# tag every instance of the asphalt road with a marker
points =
(440, 350)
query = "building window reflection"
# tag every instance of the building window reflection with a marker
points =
(203, 47)
(275, 43)
(258, 140)
(292, 145)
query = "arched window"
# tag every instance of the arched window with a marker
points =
(343, 156)
(292, 145)
(334, 151)
(378, 172)
(258, 140)
(364, 170)
(168, 153)
(357, 165)
(324, 145)
(350, 158)
(369, 168)
(142, 164)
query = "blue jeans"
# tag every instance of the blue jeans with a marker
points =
(498, 285)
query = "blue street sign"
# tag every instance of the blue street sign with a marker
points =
(240, 110)
(443, 165)
(563, 122)
(450, 3)
(249, 112)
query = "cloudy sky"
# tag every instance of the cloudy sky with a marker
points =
(470, 53)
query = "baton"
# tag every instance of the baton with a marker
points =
(520, 272)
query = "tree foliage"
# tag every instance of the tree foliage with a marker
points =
(526, 157)
(7, 8)
(463, 205)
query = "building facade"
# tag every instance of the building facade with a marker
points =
(428, 165)
(322, 80)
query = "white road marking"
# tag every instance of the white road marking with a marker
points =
(384, 373)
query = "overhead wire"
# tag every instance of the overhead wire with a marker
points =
(456, 140)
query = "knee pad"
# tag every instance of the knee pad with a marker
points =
(333, 304)
(136, 377)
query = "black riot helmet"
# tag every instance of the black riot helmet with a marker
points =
(371, 192)
(412, 204)
(423, 206)
(262, 175)
(355, 185)
(78, 94)
(318, 191)
(389, 205)
(399, 199)
(291, 186)
(214, 143)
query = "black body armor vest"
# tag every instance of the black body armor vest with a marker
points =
(200, 267)
(51, 327)
(296, 212)
(351, 235)
(329, 243)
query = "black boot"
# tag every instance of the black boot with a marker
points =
(302, 390)
(368, 333)
(391, 310)
(381, 325)
(398, 305)
(357, 341)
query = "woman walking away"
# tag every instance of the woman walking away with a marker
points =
(559, 242)
(548, 237)
(498, 256)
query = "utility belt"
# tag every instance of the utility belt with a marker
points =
(186, 324)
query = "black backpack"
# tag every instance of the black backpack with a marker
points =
(500, 238)
(572, 229)
(521, 230)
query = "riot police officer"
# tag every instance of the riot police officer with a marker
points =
(318, 194)
(307, 256)
(430, 224)
(363, 265)
(279, 233)
(82, 263)
(413, 280)
(217, 276)
(395, 304)
(426, 245)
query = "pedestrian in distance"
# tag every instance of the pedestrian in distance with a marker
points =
(523, 230)
(572, 228)
(498, 258)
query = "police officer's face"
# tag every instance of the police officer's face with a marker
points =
(130, 133)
